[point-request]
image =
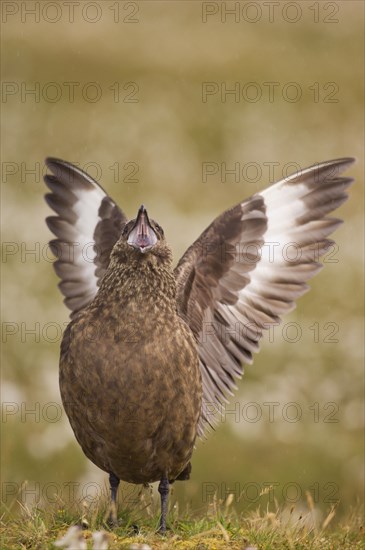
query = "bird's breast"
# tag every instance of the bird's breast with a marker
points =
(132, 392)
(133, 362)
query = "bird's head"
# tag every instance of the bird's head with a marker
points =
(142, 238)
(141, 233)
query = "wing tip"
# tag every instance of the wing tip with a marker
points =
(49, 161)
(342, 162)
(50, 220)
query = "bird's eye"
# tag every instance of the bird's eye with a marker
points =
(159, 229)
(125, 229)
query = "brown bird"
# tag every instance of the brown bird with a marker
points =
(151, 352)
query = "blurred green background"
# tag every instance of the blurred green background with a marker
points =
(118, 89)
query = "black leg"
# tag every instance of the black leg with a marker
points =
(114, 484)
(163, 489)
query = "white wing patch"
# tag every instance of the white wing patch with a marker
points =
(295, 238)
(82, 257)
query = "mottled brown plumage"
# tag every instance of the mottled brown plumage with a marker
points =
(151, 352)
(130, 362)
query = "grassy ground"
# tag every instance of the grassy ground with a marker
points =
(171, 133)
(217, 527)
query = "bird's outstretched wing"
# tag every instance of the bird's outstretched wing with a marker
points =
(249, 266)
(87, 225)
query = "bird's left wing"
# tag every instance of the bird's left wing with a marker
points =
(87, 225)
(249, 266)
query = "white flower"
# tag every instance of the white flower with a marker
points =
(72, 540)
(100, 539)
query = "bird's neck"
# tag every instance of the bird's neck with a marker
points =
(144, 285)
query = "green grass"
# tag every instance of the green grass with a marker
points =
(217, 527)
(170, 133)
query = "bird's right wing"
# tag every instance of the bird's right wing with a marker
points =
(250, 265)
(87, 225)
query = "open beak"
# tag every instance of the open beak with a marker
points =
(142, 235)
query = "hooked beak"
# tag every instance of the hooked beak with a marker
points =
(142, 235)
